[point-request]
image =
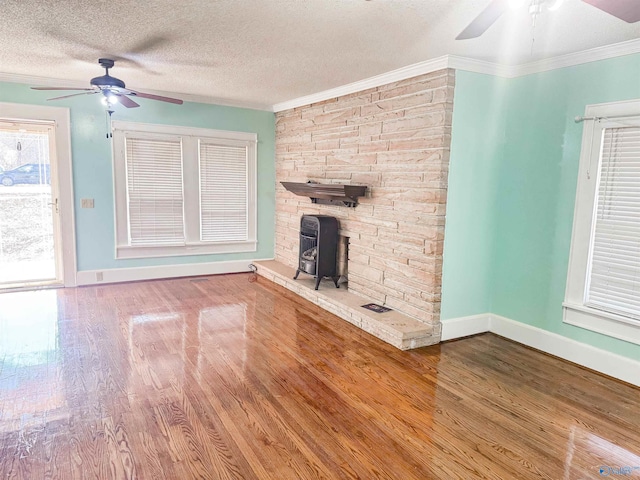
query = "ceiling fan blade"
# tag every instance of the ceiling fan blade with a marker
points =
(487, 17)
(127, 102)
(61, 88)
(157, 97)
(627, 10)
(151, 43)
(73, 95)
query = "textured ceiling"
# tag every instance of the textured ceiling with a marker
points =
(265, 52)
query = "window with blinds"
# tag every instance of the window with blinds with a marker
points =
(184, 190)
(223, 193)
(614, 273)
(603, 274)
(154, 191)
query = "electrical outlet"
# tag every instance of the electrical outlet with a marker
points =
(87, 203)
(99, 276)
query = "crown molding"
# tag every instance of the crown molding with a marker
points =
(470, 65)
(224, 102)
(371, 82)
(479, 66)
(41, 81)
(187, 97)
(421, 68)
(578, 58)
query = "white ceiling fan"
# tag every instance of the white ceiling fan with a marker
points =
(627, 10)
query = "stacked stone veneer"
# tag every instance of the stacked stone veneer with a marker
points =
(394, 139)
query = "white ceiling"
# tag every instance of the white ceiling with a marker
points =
(264, 52)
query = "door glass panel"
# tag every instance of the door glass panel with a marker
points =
(27, 253)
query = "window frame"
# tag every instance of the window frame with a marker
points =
(190, 138)
(575, 310)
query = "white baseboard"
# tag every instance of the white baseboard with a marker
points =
(116, 275)
(612, 364)
(465, 326)
(594, 358)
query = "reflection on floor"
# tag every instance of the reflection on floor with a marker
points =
(228, 378)
(29, 355)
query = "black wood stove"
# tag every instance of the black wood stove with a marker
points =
(318, 247)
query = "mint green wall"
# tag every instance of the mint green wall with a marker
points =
(534, 175)
(93, 177)
(537, 185)
(476, 155)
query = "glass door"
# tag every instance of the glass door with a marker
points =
(29, 216)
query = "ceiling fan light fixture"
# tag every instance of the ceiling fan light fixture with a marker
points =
(535, 8)
(109, 99)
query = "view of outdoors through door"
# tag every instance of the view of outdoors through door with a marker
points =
(27, 224)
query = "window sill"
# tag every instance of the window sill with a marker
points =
(127, 251)
(605, 323)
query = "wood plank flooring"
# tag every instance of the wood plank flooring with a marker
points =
(224, 378)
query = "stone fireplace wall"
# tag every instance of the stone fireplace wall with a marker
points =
(394, 139)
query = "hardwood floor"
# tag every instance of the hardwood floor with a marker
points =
(226, 378)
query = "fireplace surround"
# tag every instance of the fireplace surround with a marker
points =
(395, 139)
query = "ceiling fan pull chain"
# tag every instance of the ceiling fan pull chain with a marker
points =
(108, 114)
(533, 40)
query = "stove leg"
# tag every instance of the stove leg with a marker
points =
(318, 282)
(335, 280)
(296, 275)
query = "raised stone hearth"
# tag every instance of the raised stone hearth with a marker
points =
(392, 327)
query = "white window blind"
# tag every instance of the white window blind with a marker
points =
(223, 193)
(154, 191)
(614, 275)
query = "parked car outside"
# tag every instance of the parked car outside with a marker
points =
(33, 173)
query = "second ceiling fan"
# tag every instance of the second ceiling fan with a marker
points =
(627, 10)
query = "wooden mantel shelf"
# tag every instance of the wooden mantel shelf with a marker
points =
(346, 195)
